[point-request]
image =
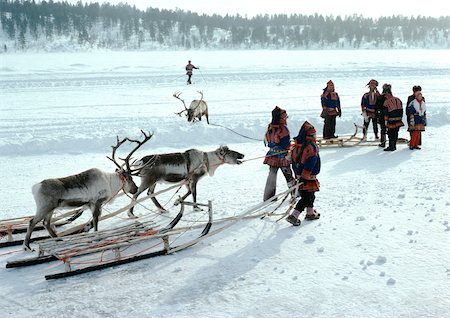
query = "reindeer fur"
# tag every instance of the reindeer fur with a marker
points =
(190, 166)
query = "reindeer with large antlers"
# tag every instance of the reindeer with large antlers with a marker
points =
(90, 188)
(196, 110)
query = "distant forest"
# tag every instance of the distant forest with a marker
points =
(49, 25)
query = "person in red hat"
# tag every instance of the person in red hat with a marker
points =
(306, 166)
(368, 105)
(278, 139)
(331, 108)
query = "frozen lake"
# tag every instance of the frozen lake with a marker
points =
(380, 248)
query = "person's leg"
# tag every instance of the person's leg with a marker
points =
(271, 183)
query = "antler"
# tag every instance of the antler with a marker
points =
(177, 96)
(147, 137)
(114, 149)
(201, 94)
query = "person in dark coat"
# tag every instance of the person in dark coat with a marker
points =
(278, 139)
(368, 106)
(306, 166)
(331, 108)
(379, 111)
(393, 113)
(189, 69)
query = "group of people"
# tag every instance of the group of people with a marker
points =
(383, 109)
(302, 156)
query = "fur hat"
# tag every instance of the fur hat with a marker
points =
(278, 114)
(330, 82)
(417, 88)
(387, 88)
(372, 80)
(307, 129)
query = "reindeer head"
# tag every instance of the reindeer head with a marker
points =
(124, 170)
(229, 156)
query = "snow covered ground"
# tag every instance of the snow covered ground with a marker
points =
(380, 249)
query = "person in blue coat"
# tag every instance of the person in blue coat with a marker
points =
(306, 166)
(331, 108)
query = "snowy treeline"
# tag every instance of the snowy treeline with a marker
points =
(53, 26)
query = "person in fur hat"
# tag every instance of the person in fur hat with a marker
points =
(277, 138)
(306, 166)
(331, 108)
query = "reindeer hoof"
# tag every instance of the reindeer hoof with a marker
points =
(28, 249)
(132, 216)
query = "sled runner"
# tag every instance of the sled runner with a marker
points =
(355, 139)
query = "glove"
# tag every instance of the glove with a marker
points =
(340, 113)
(324, 113)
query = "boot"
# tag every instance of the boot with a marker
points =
(376, 136)
(293, 218)
(311, 214)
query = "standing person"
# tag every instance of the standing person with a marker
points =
(331, 107)
(277, 138)
(379, 111)
(393, 113)
(417, 120)
(306, 165)
(416, 89)
(189, 69)
(368, 105)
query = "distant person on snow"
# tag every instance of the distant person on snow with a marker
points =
(277, 138)
(331, 107)
(306, 166)
(417, 120)
(189, 69)
(416, 89)
(393, 113)
(379, 111)
(368, 104)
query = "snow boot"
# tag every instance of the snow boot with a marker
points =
(311, 214)
(293, 220)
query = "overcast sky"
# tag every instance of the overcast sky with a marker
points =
(374, 8)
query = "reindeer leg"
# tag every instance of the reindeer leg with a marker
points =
(142, 187)
(206, 115)
(40, 214)
(48, 224)
(151, 190)
(96, 214)
(181, 199)
(194, 194)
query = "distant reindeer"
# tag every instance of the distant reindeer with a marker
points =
(90, 188)
(189, 166)
(196, 110)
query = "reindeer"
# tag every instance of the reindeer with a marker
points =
(196, 110)
(189, 166)
(90, 188)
